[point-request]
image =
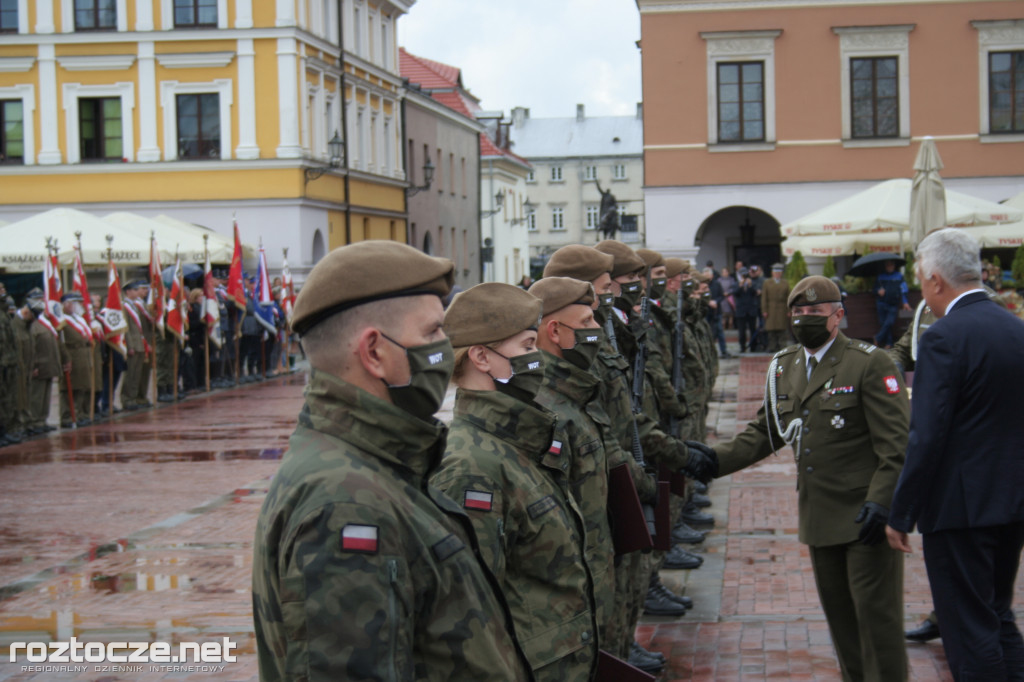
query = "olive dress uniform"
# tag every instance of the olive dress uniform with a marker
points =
(149, 337)
(8, 370)
(136, 360)
(773, 305)
(48, 359)
(849, 450)
(22, 403)
(80, 352)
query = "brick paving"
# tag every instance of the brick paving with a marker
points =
(141, 529)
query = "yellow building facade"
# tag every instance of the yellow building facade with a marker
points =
(207, 110)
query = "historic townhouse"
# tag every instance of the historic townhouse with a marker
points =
(757, 112)
(208, 109)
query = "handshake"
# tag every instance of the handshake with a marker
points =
(701, 461)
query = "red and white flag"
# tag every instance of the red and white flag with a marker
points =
(112, 316)
(287, 290)
(211, 307)
(479, 500)
(52, 291)
(81, 285)
(236, 291)
(359, 538)
(177, 309)
(157, 300)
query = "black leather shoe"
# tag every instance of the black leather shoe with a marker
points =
(683, 533)
(695, 517)
(677, 598)
(165, 398)
(925, 632)
(657, 604)
(47, 428)
(700, 500)
(84, 421)
(677, 557)
(16, 437)
(643, 659)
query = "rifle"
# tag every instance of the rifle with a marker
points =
(639, 367)
(678, 350)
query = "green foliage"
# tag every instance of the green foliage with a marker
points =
(1017, 267)
(796, 269)
(854, 285)
(908, 272)
(996, 263)
(830, 267)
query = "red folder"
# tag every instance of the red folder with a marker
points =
(611, 669)
(629, 528)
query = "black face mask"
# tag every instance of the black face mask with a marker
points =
(811, 331)
(630, 296)
(657, 288)
(588, 343)
(526, 378)
(430, 369)
(605, 301)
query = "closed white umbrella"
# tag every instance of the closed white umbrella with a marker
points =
(927, 193)
(23, 243)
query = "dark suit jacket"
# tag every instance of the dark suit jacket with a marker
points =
(965, 459)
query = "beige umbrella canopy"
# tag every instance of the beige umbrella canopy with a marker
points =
(927, 194)
(221, 248)
(23, 243)
(173, 238)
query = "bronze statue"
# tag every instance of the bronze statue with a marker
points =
(609, 224)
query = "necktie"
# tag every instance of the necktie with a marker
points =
(811, 364)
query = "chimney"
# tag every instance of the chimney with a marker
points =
(639, 111)
(581, 113)
(519, 116)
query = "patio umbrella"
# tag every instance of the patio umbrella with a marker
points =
(189, 271)
(873, 263)
(927, 194)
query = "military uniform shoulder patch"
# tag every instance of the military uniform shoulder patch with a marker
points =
(542, 506)
(478, 500)
(892, 385)
(862, 346)
(447, 547)
(556, 447)
(359, 538)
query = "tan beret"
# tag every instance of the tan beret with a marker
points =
(579, 262)
(626, 260)
(364, 272)
(559, 292)
(676, 266)
(814, 289)
(490, 312)
(650, 257)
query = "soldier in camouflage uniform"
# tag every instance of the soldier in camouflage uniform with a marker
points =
(361, 569)
(8, 371)
(505, 466)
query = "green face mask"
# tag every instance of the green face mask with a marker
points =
(630, 297)
(430, 369)
(657, 288)
(811, 331)
(588, 343)
(526, 378)
(605, 301)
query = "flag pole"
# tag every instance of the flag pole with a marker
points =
(110, 351)
(92, 354)
(206, 341)
(156, 328)
(51, 248)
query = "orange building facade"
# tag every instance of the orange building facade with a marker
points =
(757, 112)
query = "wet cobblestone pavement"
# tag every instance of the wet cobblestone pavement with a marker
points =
(140, 529)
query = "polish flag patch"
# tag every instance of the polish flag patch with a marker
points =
(479, 500)
(556, 447)
(892, 385)
(359, 538)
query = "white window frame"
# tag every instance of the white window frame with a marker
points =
(556, 174)
(856, 42)
(995, 36)
(358, 23)
(23, 17)
(531, 176)
(593, 221)
(67, 10)
(169, 90)
(531, 221)
(557, 218)
(386, 36)
(389, 147)
(167, 15)
(74, 91)
(27, 94)
(589, 172)
(750, 46)
(618, 171)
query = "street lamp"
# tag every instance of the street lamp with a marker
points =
(528, 209)
(499, 201)
(428, 178)
(336, 156)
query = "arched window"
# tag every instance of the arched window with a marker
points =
(319, 251)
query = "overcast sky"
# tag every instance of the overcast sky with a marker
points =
(547, 55)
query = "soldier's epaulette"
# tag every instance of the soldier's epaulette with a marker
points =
(787, 350)
(862, 346)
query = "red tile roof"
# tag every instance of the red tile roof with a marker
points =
(427, 73)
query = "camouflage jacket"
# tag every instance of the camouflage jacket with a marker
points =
(502, 464)
(361, 570)
(8, 345)
(48, 352)
(566, 391)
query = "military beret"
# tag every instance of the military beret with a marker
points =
(364, 272)
(703, 277)
(490, 312)
(579, 262)
(814, 289)
(71, 296)
(559, 292)
(778, 266)
(134, 284)
(676, 266)
(650, 257)
(33, 293)
(626, 260)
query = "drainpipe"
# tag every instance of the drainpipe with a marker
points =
(344, 120)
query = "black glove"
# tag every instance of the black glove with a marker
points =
(702, 462)
(874, 517)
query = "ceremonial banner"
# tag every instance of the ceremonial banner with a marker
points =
(52, 291)
(112, 316)
(287, 289)
(81, 285)
(236, 291)
(265, 311)
(157, 300)
(177, 310)
(211, 308)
